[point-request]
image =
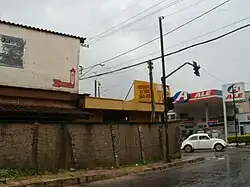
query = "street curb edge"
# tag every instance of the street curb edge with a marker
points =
(81, 180)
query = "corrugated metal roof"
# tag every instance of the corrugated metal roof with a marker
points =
(82, 39)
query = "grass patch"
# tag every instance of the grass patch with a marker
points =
(240, 139)
(13, 173)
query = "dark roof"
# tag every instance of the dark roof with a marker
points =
(34, 109)
(82, 39)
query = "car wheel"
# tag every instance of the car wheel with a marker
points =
(188, 149)
(218, 147)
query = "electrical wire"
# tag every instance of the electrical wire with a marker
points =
(175, 45)
(127, 20)
(173, 30)
(172, 53)
(215, 77)
(171, 14)
(138, 20)
(123, 10)
(136, 70)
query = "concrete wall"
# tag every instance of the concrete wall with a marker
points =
(54, 146)
(37, 58)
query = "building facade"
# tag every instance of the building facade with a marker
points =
(37, 58)
(244, 115)
(204, 112)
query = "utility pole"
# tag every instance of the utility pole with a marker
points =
(99, 89)
(95, 85)
(163, 80)
(151, 80)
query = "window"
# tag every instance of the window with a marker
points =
(11, 51)
(171, 116)
(204, 138)
(194, 138)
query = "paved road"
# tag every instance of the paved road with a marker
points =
(227, 169)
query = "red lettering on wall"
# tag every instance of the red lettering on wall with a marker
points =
(71, 84)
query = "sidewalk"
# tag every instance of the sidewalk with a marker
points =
(240, 145)
(82, 177)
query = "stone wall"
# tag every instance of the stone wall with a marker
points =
(61, 146)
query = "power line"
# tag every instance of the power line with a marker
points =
(136, 70)
(172, 53)
(181, 43)
(176, 12)
(127, 20)
(152, 13)
(173, 30)
(217, 78)
(123, 10)
(138, 20)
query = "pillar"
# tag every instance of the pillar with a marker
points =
(206, 113)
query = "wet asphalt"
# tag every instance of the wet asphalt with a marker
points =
(227, 169)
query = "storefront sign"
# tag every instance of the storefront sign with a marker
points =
(234, 91)
(142, 92)
(213, 122)
(202, 94)
(181, 97)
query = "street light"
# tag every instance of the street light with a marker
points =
(81, 69)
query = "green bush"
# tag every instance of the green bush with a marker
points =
(13, 173)
(240, 139)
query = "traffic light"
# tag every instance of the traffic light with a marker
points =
(196, 69)
(170, 103)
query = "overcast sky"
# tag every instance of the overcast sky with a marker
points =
(225, 60)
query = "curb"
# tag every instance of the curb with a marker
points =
(240, 145)
(81, 180)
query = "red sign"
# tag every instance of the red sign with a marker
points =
(236, 96)
(202, 95)
(71, 84)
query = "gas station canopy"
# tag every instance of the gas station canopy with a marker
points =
(204, 106)
(207, 96)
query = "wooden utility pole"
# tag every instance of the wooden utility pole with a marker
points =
(151, 80)
(99, 89)
(163, 79)
(95, 85)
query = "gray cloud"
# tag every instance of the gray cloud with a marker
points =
(227, 59)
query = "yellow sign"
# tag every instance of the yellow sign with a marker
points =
(142, 92)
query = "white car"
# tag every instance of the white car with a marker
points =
(202, 141)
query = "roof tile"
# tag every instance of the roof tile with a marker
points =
(82, 39)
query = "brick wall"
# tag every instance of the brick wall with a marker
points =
(60, 146)
(15, 145)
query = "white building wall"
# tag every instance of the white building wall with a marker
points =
(46, 57)
(245, 106)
